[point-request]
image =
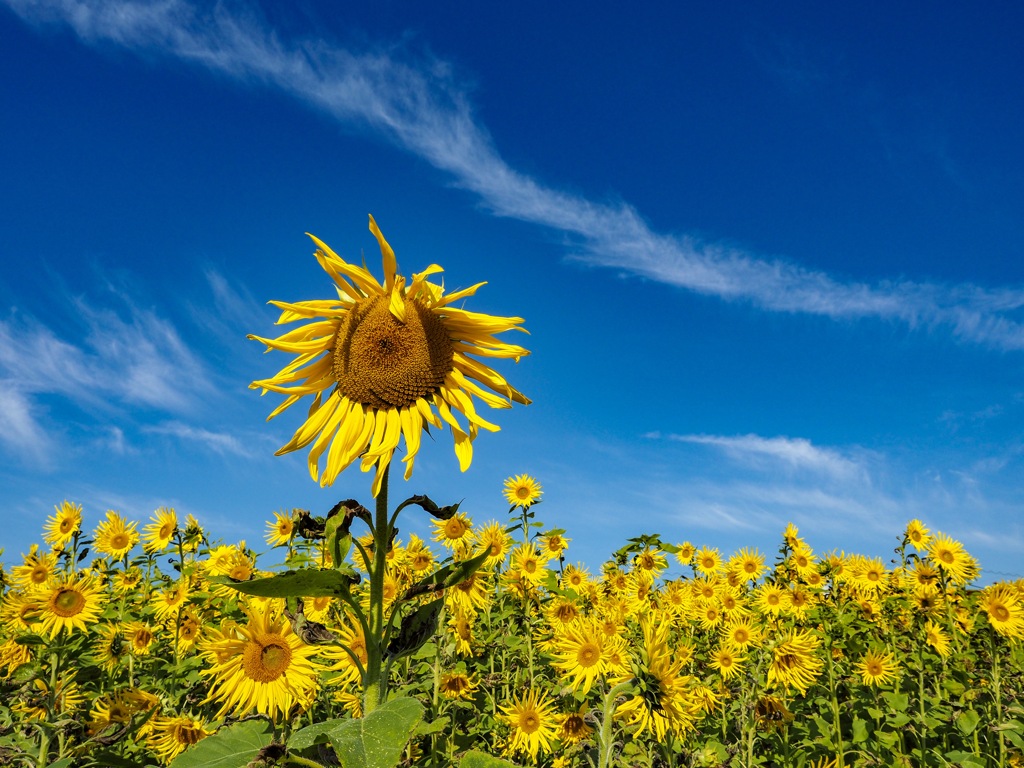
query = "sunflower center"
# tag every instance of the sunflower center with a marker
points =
(383, 363)
(522, 493)
(119, 541)
(166, 531)
(529, 722)
(947, 557)
(454, 528)
(1000, 612)
(266, 660)
(66, 525)
(40, 573)
(68, 602)
(588, 655)
(187, 734)
(740, 636)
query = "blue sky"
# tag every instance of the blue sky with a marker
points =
(770, 259)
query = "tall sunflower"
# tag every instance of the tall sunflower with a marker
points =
(61, 527)
(794, 661)
(72, 602)
(382, 361)
(157, 536)
(533, 721)
(115, 535)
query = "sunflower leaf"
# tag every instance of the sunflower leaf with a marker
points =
(441, 513)
(323, 582)
(417, 627)
(229, 747)
(377, 740)
(477, 759)
(449, 576)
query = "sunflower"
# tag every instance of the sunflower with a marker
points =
(461, 625)
(170, 736)
(727, 661)
(157, 536)
(771, 599)
(573, 726)
(35, 570)
(580, 653)
(685, 552)
(496, 539)
(140, 637)
(263, 666)
(878, 668)
(708, 561)
(281, 529)
(62, 526)
(379, 359)
(12, 655)
(1004, 610)
(741, 634)
(167, 602)
(937, 638)
(532, 721)
(522, 491)
(917, 535)
(554, 543)
(418, 554)
(802, 560)
(529, 563)
(472, 594)
(869, 574)
(794, 662)
(457, 685)
(72, 602)
(110, 647)
(115, 536)
(951, 557)
(349, 657)
(455, 529)
(748, 563)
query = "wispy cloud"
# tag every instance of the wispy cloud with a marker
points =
(20, 431)
(218, 442)
(791, 452)
(419, 105)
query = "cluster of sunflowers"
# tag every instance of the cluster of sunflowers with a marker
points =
(114, 652)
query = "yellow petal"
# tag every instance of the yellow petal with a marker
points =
(388, 255)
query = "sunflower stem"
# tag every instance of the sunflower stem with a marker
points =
(374, 686)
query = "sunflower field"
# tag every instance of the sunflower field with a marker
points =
(340, 642)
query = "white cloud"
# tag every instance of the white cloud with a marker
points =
(793, 452)
(421, 108)
(20, 431)
(218, 442)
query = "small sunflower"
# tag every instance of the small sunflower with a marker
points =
(581, 651)
(455, 529)
(61, 527)
(533, 723)
(748, 563)
(457, 685)
(878, 668)
(281, 529)
(158, 535)
(264, 666)
(949, 555)
(708, 561)
(496, 540)
(917, 535)
(937, 638)
(170, 736)
(685, 552)
(35, 571)
(727, 661)
(110, 647)
(384, 360)
(1004, 610)
(522, 491)
(573, 726)
(72, 602)
(115, 536)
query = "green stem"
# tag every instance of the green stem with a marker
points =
(998, 696)
(834, 699)
(604, 737)
(374, 687)
(920, 696)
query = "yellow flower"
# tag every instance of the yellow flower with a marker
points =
(685, 552)
(61, 527)
(708, 561)
(35, 571)
(281, 529)
(455, 529)
(951, 557)
(170, 736)
(532, 721)
(573, 726)
(727, 661)
(264, 666)
(554, 544)
(878, 668)
(457, 685)
(917, 535)
(749, 564)
(522, 491)
(110, 647)
(494, 538)
(581, 651)
(741, 634)
(1004, 610)
(157, 536)
(384, 360)
(936, 637)
(115, 536)
(794, 661)
(72, 602)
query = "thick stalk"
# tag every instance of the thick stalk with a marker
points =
(834, 700)
(998, 696)
(606, 743)
(374, 688)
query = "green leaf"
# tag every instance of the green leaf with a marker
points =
(434, 726)
(887, 739)
(377, 740)
(308, 736)
(338, 539)
(323, 582)
(477, 759)
(417, 627)
(230, 747)
(449, 576)
(64, 762)
(860, 730)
